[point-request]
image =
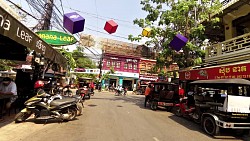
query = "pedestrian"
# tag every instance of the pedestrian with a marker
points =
(147, 94)
(181, 92)
(8, 87)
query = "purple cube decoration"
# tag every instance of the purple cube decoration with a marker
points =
(73, 22)
(110, 26)
(178, 42)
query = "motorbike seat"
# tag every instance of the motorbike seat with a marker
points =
(62, 101)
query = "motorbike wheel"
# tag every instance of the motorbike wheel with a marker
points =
(21, 117)
(72, 113)
(177, 111)
(80, 107)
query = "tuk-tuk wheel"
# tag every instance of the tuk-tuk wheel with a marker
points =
(210, 126)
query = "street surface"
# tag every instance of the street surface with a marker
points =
(112, 118)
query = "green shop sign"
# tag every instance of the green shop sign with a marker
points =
(56, 38)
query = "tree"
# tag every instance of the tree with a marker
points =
(166, 18)
(83, 62)
(69, 57)
(6, 64)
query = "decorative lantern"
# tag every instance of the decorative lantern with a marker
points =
(178, 42)
(146, 31)
(110, 26)
(73, 22)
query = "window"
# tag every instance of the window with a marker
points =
(135, 66)
(118, 64)
(130, 66)
(149, 66)
(125, 66)
(113, 63)
(108, 63)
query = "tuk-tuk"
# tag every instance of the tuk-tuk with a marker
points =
(163, 94)
(85, 87)
(227, 102)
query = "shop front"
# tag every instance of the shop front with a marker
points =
(230, 71)
(17, 41)
(124, 79)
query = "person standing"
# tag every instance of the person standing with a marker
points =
(147, 96)
(181, 92)
(8, 87)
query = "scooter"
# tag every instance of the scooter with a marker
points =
(78, 99)
(185, 109)
(62, 109)
(83, 92)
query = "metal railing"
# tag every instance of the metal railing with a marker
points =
(231, 46)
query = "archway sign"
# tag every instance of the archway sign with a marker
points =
(56, 38)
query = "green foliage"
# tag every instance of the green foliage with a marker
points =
(166, 18)
(106, 76)
(83, 62)
(69, 57)
(5, 64)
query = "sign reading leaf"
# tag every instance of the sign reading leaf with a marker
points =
(56, 38)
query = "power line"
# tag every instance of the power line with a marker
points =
(22, 9)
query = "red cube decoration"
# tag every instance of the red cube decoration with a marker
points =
(110, 26)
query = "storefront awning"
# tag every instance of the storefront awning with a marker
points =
(16, 36)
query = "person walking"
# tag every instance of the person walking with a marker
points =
(147, 94)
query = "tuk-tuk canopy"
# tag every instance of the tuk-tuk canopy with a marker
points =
(223, 81)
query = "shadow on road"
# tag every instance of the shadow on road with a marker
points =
(50, 121)
(189, 124)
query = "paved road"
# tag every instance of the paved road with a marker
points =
(111, 118)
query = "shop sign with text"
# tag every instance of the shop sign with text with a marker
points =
(56, 38)
(225, 72)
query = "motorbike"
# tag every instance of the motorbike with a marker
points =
(186, 109)
(78, 99)
(120, 92)
(83, 92)
(63, 109)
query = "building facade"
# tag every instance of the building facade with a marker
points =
(228, 57)
(126, 69)
(146, 73)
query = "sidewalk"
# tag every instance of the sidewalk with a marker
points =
(6, 119)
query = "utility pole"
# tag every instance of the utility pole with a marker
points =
(43, 25)
(100, 68)
(47, 15)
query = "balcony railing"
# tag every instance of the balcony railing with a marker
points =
(224, 50)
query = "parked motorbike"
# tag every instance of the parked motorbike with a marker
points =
(62, 109)
(79, 101)
(186, 109)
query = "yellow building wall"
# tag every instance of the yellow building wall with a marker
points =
(230, 31)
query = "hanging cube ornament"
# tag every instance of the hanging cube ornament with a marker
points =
(73, 22)
(146, 31)
(178, 42)
(110, 26)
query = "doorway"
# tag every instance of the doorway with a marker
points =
(128, 84)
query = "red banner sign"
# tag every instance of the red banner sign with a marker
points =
(224, 72)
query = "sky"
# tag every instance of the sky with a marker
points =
(96, 13)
